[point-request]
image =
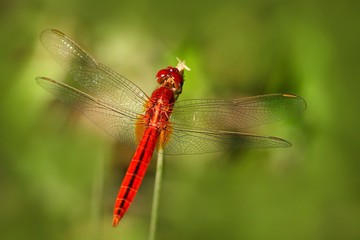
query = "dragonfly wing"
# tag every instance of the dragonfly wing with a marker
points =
(98, 80)
(184, 142)
(117, 122)
(236, 114)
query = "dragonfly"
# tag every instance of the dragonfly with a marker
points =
(160, 122)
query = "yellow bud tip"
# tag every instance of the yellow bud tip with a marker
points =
(181, 66)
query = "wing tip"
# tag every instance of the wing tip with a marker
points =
(52, 30)
(281, 143)
(48, 34)
(298, 98)
(40, 78)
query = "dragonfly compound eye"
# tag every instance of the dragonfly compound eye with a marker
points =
(162, 75)
(173, 73)
(176, 76)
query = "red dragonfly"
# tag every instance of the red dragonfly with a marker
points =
(124, 111)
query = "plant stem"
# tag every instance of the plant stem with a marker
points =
(96, 196)
(156, 196)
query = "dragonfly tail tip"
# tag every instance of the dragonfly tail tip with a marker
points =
(115, 221)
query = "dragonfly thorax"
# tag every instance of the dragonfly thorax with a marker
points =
(159, 108)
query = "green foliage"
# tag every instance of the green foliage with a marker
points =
(59, 174)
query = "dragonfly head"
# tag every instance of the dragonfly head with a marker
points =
(171, 78)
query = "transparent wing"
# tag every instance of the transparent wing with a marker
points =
(205, 125)
(235, 114)
(197, 142)
(98, 80)
(117, 122)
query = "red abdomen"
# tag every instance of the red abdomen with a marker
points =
(155, 121)
(135, 173)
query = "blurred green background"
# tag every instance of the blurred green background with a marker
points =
(59, 174)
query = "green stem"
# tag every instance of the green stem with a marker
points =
(96, 196)
(156, 196)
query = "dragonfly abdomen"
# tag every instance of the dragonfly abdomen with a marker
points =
(154, 121)
(135, 173)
